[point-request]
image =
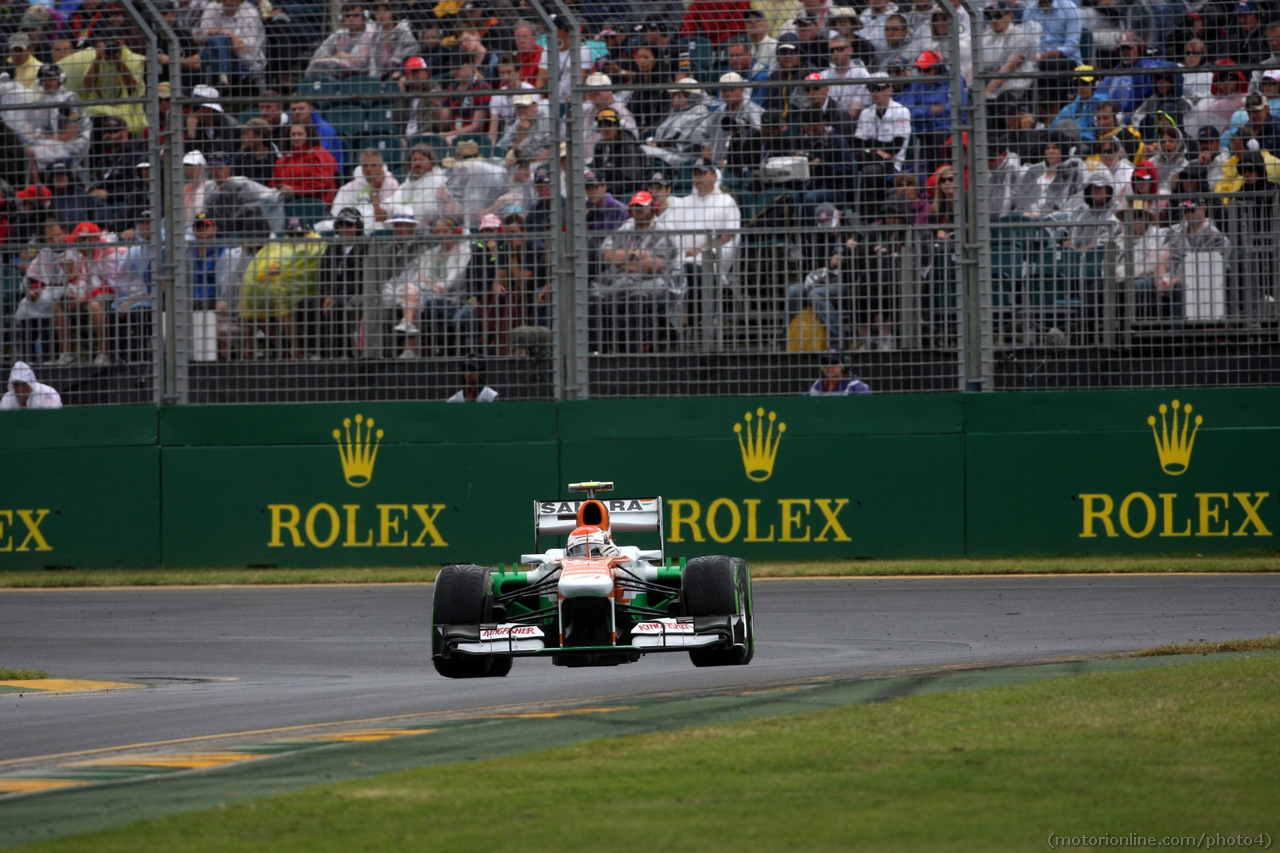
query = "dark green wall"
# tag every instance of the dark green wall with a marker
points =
(881, 476)
(88, 480)
(1031, 460)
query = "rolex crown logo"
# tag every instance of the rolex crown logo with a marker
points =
(358, 454)
(1174, 446)
(759, 447)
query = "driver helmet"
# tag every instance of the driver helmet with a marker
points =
(587, 541)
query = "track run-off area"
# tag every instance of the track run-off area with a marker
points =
(250, 691)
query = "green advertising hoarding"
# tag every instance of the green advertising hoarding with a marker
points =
(782, 478)
(793, 478)
(80, 487)
(1122, 472)
(355, 485)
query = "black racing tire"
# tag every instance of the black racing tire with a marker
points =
(719, 586)
(463, 597)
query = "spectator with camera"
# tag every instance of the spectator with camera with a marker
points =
(108, 71)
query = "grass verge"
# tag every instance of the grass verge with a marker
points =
(1269, 643)
(56, 578)
(7, 674)
(1176, 751)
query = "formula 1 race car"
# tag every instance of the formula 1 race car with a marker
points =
(592, 603)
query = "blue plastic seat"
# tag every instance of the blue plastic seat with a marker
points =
(309, 210)
(320, 90)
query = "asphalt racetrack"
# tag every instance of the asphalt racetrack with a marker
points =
(223, 660)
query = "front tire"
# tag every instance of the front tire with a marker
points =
(720, 586)
(463, 596)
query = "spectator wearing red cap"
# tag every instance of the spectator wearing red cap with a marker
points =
(421, 111)
(89, 291)
(929, 101)
(640, 283)
(306, 169)
(27, 215)
(1144, 190)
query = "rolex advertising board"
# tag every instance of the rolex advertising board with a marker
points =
(376, 485)
(80, 487)
(1136, 472)
(783, 478)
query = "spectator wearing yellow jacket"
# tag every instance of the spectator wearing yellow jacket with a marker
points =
(107, 71)
(277, 279)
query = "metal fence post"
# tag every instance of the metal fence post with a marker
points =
(978, 343)
(574, 308)
(160, 235)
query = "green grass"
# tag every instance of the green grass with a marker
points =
(1165, 751)
(7, 674)
(835, 568)
(1269, 643)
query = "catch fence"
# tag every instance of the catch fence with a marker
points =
(664, 217)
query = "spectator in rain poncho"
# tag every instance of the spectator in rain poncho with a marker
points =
(118, 75)
(26, 393)
(279, 276)
(678, 140)
(370, 190)
(425, 188)
(475, 182)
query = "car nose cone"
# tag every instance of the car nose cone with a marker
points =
(586, 584)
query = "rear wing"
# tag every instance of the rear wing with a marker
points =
(626, 515)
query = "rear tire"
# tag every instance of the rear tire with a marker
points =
(719, 586)
(463, 597)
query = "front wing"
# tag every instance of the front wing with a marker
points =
(656, 635)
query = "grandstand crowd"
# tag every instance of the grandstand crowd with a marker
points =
(398, 172)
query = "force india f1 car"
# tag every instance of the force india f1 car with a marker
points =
(592, 603)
